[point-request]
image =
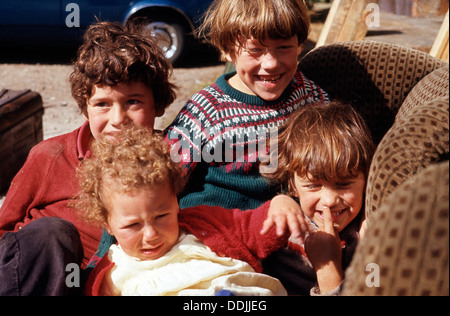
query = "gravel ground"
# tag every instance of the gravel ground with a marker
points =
(51, 80)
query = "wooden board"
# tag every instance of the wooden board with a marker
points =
(346, 21)
(440, 46)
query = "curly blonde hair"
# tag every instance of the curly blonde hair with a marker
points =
(141, 159)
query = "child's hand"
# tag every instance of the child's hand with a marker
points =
(284, 212)
(323, 248)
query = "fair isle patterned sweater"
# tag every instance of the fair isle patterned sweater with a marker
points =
(220, 135)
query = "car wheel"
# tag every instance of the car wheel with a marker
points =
(170, 36)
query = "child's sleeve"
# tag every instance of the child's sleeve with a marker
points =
(249, 225)
(95, 285)
(233, 233)
(23, 192)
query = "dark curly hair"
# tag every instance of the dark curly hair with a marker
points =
(112, 53)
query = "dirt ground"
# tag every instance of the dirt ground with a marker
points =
(46, 71)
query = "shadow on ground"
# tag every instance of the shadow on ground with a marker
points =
(200, 55)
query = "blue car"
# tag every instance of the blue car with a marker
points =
(57, 22)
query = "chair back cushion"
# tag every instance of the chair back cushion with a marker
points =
(418, 138)
(406, 250)
(374, 77)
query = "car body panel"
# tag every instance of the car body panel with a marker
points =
(190, 9)
(46, 20)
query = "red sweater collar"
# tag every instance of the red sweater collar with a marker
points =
(84, 134)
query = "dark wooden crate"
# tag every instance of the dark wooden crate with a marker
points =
(20, 129)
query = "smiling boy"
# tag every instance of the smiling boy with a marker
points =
(225, 120)
(120, 77)
(265, 68)
(324, 158)
(343, 198)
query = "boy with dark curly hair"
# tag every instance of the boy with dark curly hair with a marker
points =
(120, 77)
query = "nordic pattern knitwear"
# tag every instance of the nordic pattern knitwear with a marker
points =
(219, 137)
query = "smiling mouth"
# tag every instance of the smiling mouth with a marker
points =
(335, 215)
(267, 79)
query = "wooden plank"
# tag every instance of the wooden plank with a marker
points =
(440, 46)
(327, 27)
(346, 21)
(354, 27)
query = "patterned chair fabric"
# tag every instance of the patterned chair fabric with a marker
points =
(374, 77)
(429, 88)
(419, 138)
(408, 241)
(404, 96)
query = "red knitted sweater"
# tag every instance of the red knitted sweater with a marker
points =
(229, 233)
(45, 185)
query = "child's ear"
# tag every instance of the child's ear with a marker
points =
(292, 191)
(159, 112)
(299, 49)
(107, 228)
(85, 116)
(229, 57)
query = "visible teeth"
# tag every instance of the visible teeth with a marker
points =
(270, 79)
(335, 214)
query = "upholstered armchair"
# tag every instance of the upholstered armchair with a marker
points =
(404, 96)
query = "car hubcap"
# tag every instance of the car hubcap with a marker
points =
(166, 36)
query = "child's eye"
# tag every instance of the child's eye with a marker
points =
(101, 104)
(254, 51)
(343, 185)
(162, 215)
(101, 107)
(130, 225)
(312, 186)
(133, 101)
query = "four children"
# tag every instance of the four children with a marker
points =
(122, 79)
